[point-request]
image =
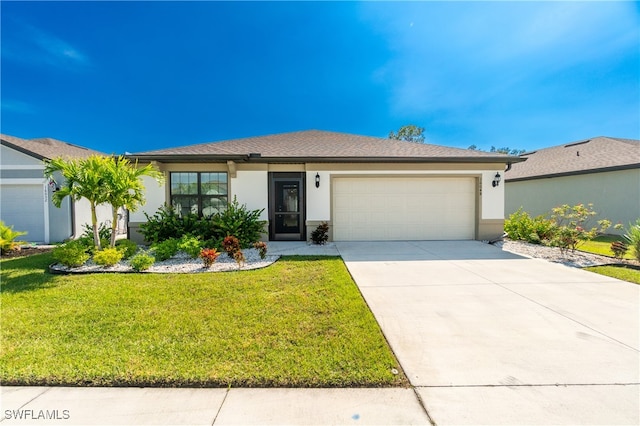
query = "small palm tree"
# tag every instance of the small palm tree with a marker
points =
(124, 187)
(84, 178)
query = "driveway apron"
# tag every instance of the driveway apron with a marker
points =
(489, 337)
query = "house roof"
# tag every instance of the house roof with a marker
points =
(594, 155)
(46, 148)
(319, 146)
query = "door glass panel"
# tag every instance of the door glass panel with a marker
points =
(287, 197)
(287, 223)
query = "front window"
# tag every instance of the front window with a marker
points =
(200, 193)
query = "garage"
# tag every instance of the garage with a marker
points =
(23, 208)
(403, 208)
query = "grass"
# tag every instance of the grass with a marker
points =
(300, 322)
(620, 272)
(602, 245)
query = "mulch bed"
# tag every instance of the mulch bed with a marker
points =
(26, 251)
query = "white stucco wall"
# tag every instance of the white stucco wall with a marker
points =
(615, 195)
(251, 188)
(318, 199)
(154, 199)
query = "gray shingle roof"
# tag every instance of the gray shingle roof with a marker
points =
(588, 156)
(46, 148)
(316, 145)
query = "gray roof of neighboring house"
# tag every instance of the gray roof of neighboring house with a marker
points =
(594, 155)
(320, 146)
(46, 148)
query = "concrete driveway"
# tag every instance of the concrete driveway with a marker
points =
(488, 337)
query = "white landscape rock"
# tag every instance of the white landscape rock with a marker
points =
(180, 263)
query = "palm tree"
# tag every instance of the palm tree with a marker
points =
(124, 188)
(84, 178)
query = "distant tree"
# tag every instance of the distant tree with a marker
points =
(409, 133)
(505, 150)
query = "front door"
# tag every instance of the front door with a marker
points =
(286, 207)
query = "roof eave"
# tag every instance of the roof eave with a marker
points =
(196, 158)
(575, 173)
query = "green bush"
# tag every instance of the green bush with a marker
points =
(128, 248)
(521, 226)
(240, 222)
(71, 254)
(166, 249)
(108, 256)
(166, 223)
(632, 235)
(142, 261)
(8, 238)
(190, 245)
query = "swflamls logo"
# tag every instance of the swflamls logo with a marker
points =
(23, 414)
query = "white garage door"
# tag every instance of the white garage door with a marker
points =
(403, 208)
(23, 208)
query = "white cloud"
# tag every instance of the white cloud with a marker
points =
(27, 43)
(17, 106)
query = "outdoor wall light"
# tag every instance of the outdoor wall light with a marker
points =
(317, 180)
(54, 185)
(496, 180)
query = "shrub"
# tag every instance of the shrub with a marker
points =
(128, 248)
(108, 256)
(71, 254)
(237, 220)
(619, 249)
(239, 258)
(633, 237)
(104, 232)
(8, 238)
(320, 235)
(166, 223)
(521, 226)
(190, 245)
(142, 261)
(572, 226)
(166, 249)
(261, 246)
(209, 256)
(231, 245)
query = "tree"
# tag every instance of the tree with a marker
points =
(84, 178)
(410, 133)
(124, 187)
(505, 150)
(101, 180)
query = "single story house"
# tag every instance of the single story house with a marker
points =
(604, 171)
(366, 188)
(25, 195)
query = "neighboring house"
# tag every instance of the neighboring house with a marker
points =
(603, 171)
(366, 188)
(25, 195)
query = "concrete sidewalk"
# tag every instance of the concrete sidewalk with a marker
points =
(154, 406)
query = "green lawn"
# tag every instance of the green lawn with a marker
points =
(617, 271)
(300, 322)
(602, 245)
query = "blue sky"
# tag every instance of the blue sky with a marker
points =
(136, 76)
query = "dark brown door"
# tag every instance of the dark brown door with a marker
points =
(286, 207)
